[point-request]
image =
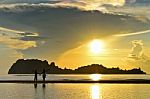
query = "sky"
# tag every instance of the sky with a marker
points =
(68, 31)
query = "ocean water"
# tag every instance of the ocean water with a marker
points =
(77, 77)
(75, 91)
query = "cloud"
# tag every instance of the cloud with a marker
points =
(12, 46)
(137, 50)
(68, 26)
(137, 56)
(140, 9)
(80, 4)
(16, 44)
(92, 4)
(7, 39)
(134, 8)
(27, 1)
(29, 36)
(135, 33)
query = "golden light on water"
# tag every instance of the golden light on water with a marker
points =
(95, 92)
(96, 46)
(95, 77)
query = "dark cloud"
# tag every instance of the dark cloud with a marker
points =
(26, 34)
(29, 36)
(32, 38)
(28, 1)
(142, 1)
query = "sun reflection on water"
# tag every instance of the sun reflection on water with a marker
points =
(95, 77)
(95, 92)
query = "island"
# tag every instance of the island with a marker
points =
(28, 66)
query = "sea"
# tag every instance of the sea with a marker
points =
(75, 90)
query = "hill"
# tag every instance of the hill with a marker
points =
(30, 65)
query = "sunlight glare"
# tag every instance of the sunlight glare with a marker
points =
(96, 92)
(96, 46)
(95, 77)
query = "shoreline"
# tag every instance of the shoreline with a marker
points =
(129, 81)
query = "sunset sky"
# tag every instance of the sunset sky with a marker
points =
(115, 33)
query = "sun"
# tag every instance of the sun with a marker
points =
(96, 46)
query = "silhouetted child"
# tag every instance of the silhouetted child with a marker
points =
(44, 74)
(35, 75)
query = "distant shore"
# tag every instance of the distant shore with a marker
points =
(28, 66)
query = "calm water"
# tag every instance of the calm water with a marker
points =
(76, 91)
